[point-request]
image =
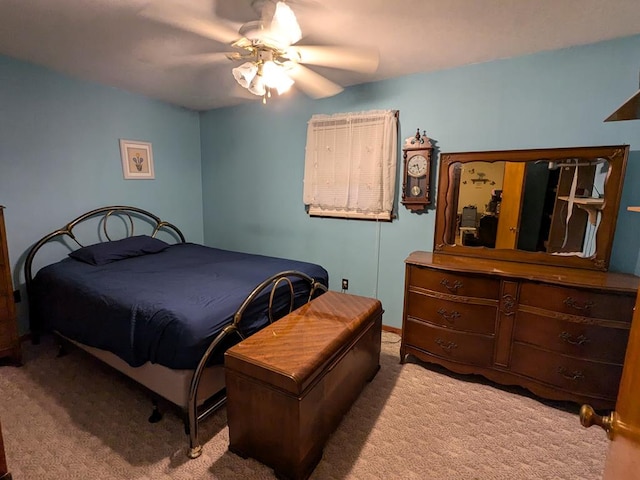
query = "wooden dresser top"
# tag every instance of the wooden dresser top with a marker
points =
(578, 277)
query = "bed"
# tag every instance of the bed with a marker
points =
(163, 313)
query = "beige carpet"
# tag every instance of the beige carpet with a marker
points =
(73, 418)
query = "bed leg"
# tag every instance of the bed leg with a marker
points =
(195, 449)
(156, 415)
(194, 452)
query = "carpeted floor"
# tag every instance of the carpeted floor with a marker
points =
(73, 418)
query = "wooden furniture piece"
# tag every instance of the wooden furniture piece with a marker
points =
(623, 424)
(9, 340)
(289, 385)
(559, 332)
(416, 176)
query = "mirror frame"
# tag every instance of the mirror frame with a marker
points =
(446, 210)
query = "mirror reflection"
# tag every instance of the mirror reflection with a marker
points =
(540, 206)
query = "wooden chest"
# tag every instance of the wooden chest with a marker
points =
(289, 385)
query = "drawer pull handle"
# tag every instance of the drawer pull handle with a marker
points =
(452, 288)
(570, 302)
(446, 346)
(575, 375)
(568, 338)
(449, 317)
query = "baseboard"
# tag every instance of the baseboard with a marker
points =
(396, 330)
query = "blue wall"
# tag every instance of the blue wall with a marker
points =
(241, 168)
(60, 156)
(253, 156)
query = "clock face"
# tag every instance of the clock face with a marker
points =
(417, 166)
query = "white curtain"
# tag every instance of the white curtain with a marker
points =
(350, 164)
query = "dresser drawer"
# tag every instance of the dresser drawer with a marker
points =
(584, 340)
(575, 301)
(464, 316)
(460, 347)
(574, 375)
(453, 284)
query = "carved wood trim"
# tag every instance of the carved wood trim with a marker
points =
(453, 298)
(573, 318)
(508, 304)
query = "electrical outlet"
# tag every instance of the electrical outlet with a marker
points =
(345, 284)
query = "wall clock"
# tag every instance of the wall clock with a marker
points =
(416, 180)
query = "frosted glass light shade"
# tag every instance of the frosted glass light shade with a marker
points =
(275, 77)
(245, 73)
(257, 86)
(285, 25)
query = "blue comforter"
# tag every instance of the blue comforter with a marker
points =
(163, 308)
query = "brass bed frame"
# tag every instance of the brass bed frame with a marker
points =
(199, 392)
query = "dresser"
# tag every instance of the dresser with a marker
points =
(559, 332)
(9, 342)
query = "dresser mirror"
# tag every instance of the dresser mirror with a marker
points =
(555, 206)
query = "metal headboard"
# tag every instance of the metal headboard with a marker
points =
(106, 213)
(194, 414)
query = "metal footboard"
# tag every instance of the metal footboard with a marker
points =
(235, 328)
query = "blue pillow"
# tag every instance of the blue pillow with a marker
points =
(107, 252)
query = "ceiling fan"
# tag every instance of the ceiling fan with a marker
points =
(272, 59)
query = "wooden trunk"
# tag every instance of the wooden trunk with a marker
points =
(289, 385)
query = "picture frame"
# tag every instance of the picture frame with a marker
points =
(137, 160)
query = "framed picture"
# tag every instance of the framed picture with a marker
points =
(137, 159)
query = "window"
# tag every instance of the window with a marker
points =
(350, 164)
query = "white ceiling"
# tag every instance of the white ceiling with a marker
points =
(108, 42)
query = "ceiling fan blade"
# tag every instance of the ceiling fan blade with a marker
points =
(346, 58)
(312, 83)
(215, 58)
(178, 17)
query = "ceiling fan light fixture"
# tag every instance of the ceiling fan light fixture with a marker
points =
(245, 74)
(272, 59)
(257, 85)
(284, 24)
(275, 77)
